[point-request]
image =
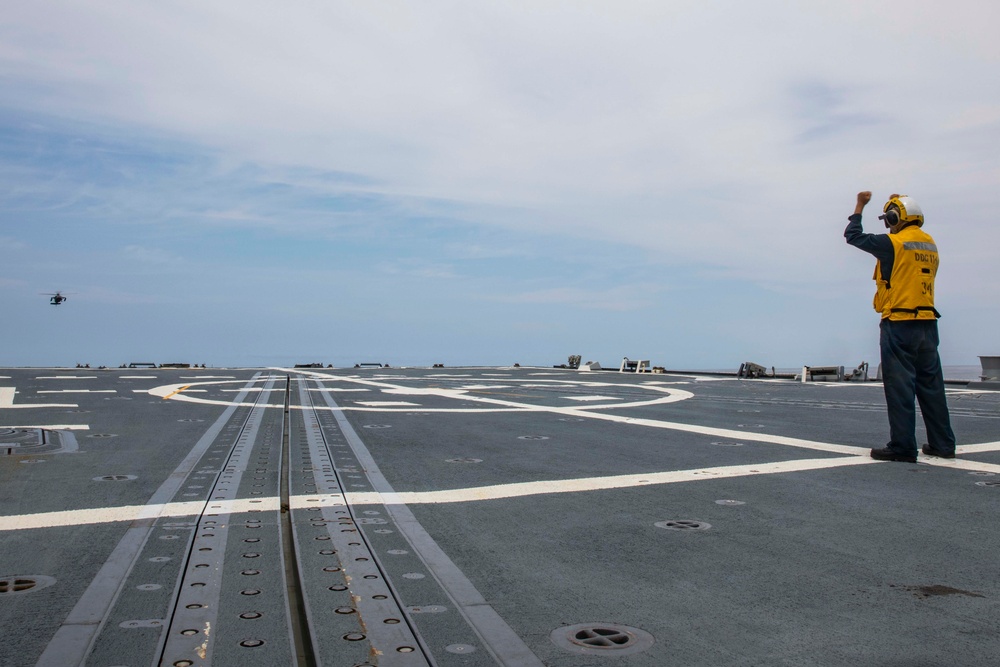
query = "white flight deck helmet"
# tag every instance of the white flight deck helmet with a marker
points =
(902, 209)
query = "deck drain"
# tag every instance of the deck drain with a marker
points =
(377, 426)
(987, 483)
(719, 443)
(28, 583)
(683, 524)
(730, 502)
(980, 473)
(602, 639)
(102, 435)
(532, 437)
(115, 478)
(463, 460)
(462, 649)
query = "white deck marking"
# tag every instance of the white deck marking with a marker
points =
(590, 412)
(591, 398)
(969, 391)
(498, 405)
(337, 389)
(386, 404)
(77, 391)
(7, 401)
(67, 377)
(522, 489)
(471, 494)
(981, 447)
(138, 377)
(53, 427)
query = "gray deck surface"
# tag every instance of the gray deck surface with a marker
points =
(485, 516)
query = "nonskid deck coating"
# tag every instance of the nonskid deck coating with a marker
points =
(488, 516)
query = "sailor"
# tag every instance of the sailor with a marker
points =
(907, 262)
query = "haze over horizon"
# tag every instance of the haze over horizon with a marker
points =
(242, 183)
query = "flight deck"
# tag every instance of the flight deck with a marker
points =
(461, 517)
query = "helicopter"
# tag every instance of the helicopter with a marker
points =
(56, 299)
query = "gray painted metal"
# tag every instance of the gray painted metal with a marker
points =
(73, 639)
(196, 623)
(827, 558)
(497, 636)
(381, 620)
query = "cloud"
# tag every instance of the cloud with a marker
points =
(719, 140)
(417, 268)
(618, 299)
(12, 244)
(149, 255)
(825, 113)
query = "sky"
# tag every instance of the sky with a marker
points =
(259, 183)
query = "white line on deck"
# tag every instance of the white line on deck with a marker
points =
(386, 404)
(7, 401)
(77, 391)
(591, 398)
(53, 427)
(473, 494)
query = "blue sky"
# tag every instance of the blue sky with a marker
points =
(466, 183)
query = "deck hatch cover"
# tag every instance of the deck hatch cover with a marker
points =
(683, 524)
(602, 639)
(26, 583)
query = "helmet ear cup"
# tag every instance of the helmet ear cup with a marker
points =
(891, 217)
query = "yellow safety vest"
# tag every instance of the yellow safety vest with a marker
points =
(909, 293)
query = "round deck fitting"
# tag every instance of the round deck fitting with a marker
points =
(602, 639)
(24, 583)
(683, 524)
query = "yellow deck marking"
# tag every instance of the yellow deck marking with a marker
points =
(176, 391)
